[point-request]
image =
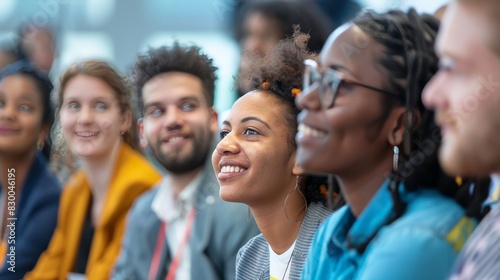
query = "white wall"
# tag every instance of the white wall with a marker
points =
(427, 6)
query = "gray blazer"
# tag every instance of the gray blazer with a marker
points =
(252, 261)
(220, 229)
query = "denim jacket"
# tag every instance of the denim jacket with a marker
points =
(421, 244)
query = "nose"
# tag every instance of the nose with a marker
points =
(228, 145)
(173, 118)
(7, 112)
(434, 95)
(309, 99)
(85, 116)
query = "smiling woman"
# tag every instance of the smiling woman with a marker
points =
(255, 165)
(29, 192)
(95, 115)
(363, 120)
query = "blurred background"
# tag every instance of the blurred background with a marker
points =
(117, 30)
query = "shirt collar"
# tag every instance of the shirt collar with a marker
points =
(495, 179)
(372, 219)
(169, 208)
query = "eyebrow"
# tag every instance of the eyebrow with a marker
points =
(152, 104)
(342, 68)
(247, 119)
(24, 96)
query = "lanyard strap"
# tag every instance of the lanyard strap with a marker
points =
(160, 243)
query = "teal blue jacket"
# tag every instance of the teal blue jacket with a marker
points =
(421, 244)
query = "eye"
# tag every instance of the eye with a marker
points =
(154, 112)
(25, 108)
(187, 107)
(100, 106)
(250, 131)
(345, 85)
(73, 106)
(223, 133)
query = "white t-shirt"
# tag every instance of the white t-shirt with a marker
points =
(280, 265)
(174, 211)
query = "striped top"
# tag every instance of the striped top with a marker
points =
(252, 261)
(481, 256)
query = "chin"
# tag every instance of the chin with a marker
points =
(226, 194)
(455, 163)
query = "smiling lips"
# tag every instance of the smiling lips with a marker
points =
(175, 139)
(232, 169)
(86, 134)
(5, 129)
(309, 131)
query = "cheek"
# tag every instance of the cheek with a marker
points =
(67, 121)
(33, 125)
(107, 123)
(150, 129)
(215, 161)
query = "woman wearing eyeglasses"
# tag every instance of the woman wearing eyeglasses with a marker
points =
(363, 120)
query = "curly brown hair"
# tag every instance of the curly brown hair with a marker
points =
(177, 58)
(280, 72)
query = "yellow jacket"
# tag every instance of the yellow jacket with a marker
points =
(133, 175)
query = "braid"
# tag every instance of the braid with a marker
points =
(409, 62)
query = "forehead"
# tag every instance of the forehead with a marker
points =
(463, 34)
(258, 104)
(84, 87)
(173, 86)
(351, 47)
(20, 86)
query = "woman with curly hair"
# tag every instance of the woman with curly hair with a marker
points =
(255, 165)
(363, 120)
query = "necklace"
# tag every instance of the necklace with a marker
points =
(288, 265)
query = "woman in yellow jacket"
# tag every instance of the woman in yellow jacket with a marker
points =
(95, 114)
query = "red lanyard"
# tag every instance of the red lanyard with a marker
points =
(160, 243)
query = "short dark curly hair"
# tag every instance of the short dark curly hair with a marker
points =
(177, 58)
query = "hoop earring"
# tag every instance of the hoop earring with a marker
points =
(395, 159)
(301, 194)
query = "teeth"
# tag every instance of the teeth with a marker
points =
(86, 134)
(175, 139)
(307, 130)
(232, 169)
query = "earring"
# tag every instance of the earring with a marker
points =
(40, 145)
(395, 159)
(301, 194)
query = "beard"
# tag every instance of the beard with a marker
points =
(178, 161)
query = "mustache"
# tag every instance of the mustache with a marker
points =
(442, 118)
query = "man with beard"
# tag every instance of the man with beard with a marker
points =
(181, 229)
(465, 94)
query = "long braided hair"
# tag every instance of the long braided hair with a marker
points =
(409, 61)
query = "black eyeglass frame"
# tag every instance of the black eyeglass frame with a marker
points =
(327, 98)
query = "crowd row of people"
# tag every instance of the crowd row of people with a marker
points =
(376, 158)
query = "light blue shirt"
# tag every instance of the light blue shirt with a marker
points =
(421, 244)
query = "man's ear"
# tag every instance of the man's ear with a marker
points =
(140, 127)
(214, 121)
